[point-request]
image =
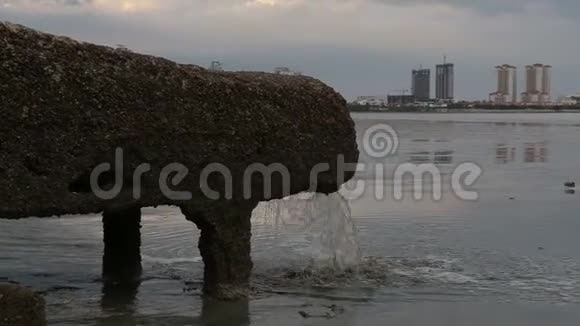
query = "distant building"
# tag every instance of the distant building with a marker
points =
(538, 84)
(286, 71)
(444, 81)
(571, 100)
(371, 100)
(507, 85)
(400, 99)
(216, 66)
(421, 84)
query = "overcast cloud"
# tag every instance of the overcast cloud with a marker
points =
(361, 47)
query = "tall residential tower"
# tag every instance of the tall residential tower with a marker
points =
(538, 84)
(507, 85)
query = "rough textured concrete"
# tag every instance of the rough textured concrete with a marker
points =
(66, 106)
(20, 307)
(225, 247)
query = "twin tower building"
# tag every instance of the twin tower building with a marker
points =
(444, 83)
(538, 85)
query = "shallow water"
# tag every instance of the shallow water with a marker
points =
(510, 258)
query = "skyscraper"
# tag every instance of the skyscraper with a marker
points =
(421, 84)
(507, 84)
(538, 84)
(444, 83)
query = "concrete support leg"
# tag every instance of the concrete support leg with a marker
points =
(225, 247)
(122, 237)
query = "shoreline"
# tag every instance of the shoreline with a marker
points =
(469, 111)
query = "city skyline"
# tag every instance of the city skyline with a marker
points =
(538, 85)
(259, 35)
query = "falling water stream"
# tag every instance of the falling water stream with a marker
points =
(327, 228)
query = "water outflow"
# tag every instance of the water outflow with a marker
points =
(322, 228)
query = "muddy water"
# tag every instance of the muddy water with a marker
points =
(510, 258)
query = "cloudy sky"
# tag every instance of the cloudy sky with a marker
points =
(360, 47)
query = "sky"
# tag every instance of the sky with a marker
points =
(359, 47)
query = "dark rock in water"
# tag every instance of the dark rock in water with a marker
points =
(570, 184)
(67, 107)
(304, 314)
(21, 307)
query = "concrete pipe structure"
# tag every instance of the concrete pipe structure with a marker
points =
(93, 129)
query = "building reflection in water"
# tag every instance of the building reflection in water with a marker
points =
(439, 156)
(505, 154)
(443, 157)
(532, 153)
(536, 153)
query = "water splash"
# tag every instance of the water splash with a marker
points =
(329, 233)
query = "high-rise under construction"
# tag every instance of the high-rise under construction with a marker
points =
(444, 82)
(421, 84)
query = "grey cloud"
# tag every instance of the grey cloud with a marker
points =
(496, 6)
(370, 54)
(75, 2)
(48, 2)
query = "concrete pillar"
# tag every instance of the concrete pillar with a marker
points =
(122, 237)
(225, 247)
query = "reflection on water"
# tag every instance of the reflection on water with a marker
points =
(435, 151)
(217, 313)
(442, 151)
(505, 154)
(448, 262)
(438, 151)
(536, 153)
(531, 152)
(437, 157)
(118, 303)
(120, 306)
